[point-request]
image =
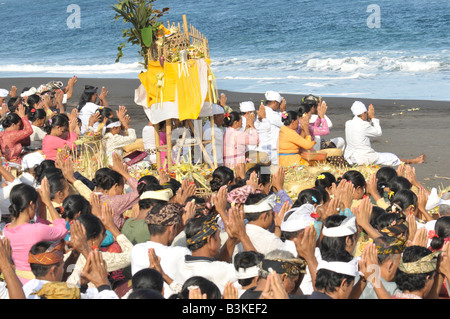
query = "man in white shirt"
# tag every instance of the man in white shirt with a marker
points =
(274, 102)
(218, 113)
(258, 209)
(262, 126)
(163, 224)
(358, 132)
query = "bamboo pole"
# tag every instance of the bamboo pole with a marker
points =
(185, 28)
(169, 143)
(157, 146)
(213, 140)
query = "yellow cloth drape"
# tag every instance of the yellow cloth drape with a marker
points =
(179, 86)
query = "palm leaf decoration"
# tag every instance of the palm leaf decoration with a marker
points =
(143, 19)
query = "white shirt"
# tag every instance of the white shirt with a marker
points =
(171, 257)
(274, 118)
(114, 143)
(34, 285)
(27, 178)
(218, 141)
(37, 136)
(85, 113)
(357, 136)
(263, 240)
(219, 272)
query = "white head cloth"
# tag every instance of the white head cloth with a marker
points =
(113, 124)
(31, 91)
(350, 268)
(3, 93)
(273, 96)
(163, 194)
(31, 160)
(217, 109)
(264, 205)
(346, 228)
(247, 106)
(299, 219)
(245, 273)
(358, 108)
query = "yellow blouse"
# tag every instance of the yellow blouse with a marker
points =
(289, 145)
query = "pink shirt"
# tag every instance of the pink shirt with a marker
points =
(234, 145)
(318, 128)
(23, 237)
(121, 203)
(51, 144)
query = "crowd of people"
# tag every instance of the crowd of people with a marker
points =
(66, 236)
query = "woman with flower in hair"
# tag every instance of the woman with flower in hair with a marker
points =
(290, 143)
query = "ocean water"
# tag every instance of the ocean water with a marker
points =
(324, 47)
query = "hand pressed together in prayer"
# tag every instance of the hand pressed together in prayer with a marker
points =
(230, 291)
(278, 180)
(219, 201)
(274, 288)
(95, 270)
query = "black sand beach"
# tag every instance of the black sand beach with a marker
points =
(406, 132)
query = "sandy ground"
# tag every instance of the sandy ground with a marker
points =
(408, 134)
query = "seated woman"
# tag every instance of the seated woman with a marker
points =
(16, 134)
(290, 143)
(236, 141)
(37, 117)
(57, 136)
(114, 141)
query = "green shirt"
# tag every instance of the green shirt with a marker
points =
(136, 231)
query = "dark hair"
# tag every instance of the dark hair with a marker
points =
(74, 204)
(233, 117)
(145, 294)
(10, 119)
(33, 99)
(310, 100)
(57, 183)
(59, 120)
(247, 259)
(303, 108)
(40, 270)
(327, 181)
(412, 282)
(308, 196)
(48, 172)
(355, 177)
(386, 220)
(85, 98)
(398, 183)
(147, 278)
(377, 211)
(194, 226)
(442, 230)
(39, 170)
(328, 280)
(105, 178)
(263, 177)
(221, 176)
(145, 182)
(206, 287)
(38, 114)
(403, 199)
(290, 116)
(20, 198)
(105, 112)
(384, 176)
(334, 243)
(92, 224)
